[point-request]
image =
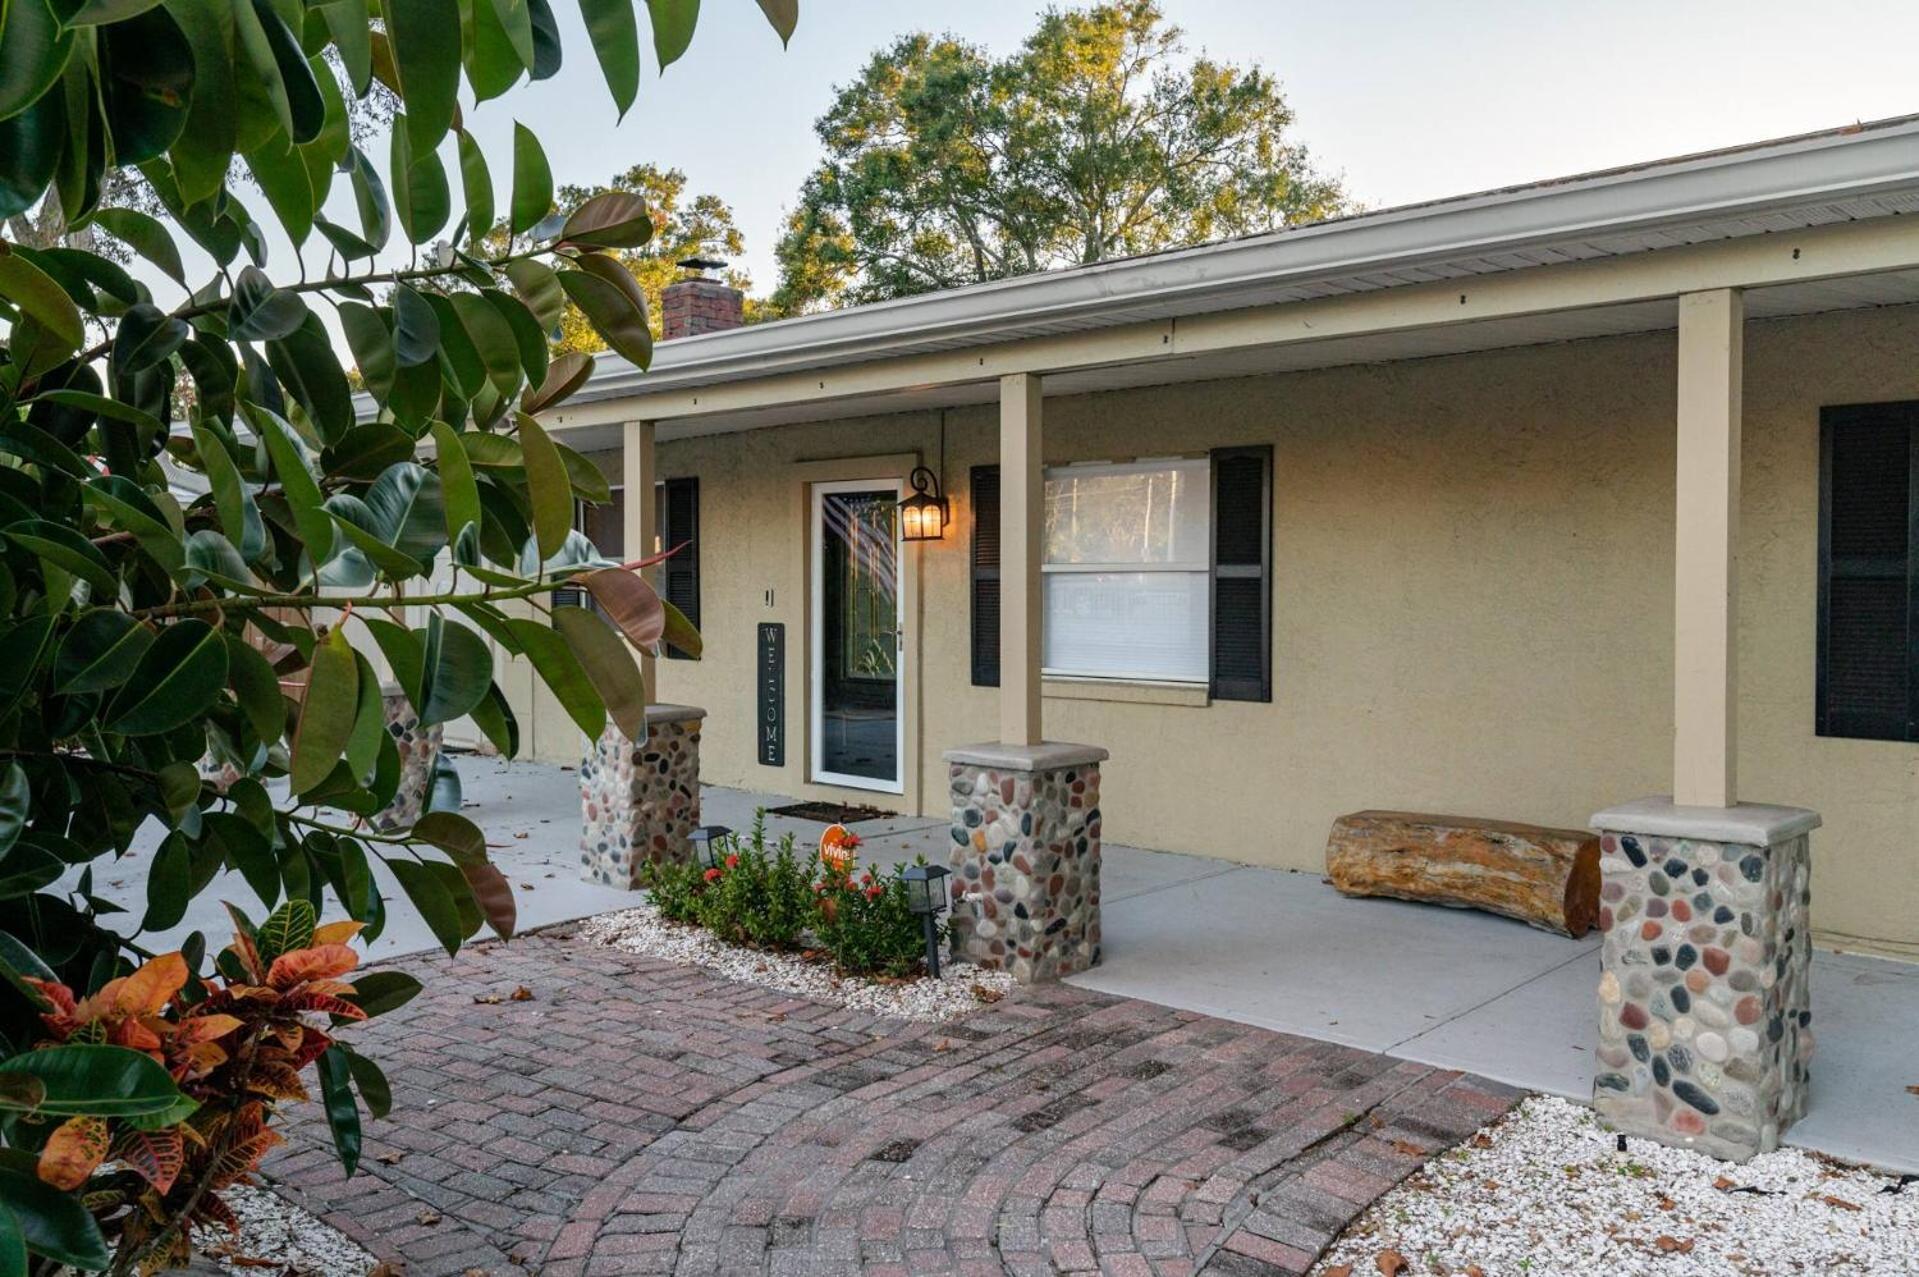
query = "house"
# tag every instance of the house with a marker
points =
(1519, 504)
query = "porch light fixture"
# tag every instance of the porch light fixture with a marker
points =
(926, 899)
(707, 841)
(923, 515)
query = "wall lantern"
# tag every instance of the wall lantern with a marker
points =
(923, 515)
(926, 898)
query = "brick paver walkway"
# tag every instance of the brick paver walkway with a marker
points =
(640, 1117)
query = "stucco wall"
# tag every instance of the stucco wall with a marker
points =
(1472, 601)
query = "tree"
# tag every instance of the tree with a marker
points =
(682, 228)
(146, 632)
(945, 167)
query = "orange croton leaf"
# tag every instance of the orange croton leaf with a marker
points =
(321, 962)
(337, 932)
(277, 1080)
(205, 1028)
(73, 1152)
(313, 1000)
(151, 987)
(157, 1155)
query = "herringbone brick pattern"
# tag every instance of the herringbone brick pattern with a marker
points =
(636, 1117)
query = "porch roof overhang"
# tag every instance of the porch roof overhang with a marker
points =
(1804, 224)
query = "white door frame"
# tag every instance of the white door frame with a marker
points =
(816, 647)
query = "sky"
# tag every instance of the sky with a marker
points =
(1405, 100)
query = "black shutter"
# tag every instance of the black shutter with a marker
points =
(679, 516)
(1867, 511)
(985, 576)
(1242, 584)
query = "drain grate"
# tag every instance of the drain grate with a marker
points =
(831, 813)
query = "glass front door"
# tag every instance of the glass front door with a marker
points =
(856, 635)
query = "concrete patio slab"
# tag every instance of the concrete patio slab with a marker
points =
(1284, 952)
(1470, 991)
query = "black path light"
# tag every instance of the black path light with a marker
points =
(706, 842)
(926, 898)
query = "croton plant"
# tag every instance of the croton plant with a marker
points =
(204, 533)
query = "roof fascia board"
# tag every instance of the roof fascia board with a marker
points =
(1826, 252)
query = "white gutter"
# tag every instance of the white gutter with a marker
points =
(1766, 179)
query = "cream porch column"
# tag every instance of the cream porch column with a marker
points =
(640, 800)
(1705, 997)
(1026, 820)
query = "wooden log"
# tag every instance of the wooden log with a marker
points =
(1546, 877)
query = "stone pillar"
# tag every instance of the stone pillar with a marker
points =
(419, 754)
(1025, 857)
(1705, 996)
(640, 801)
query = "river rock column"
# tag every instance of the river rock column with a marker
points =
(419, 755)
(1025, 857)
(1705, 993)
(640, 800)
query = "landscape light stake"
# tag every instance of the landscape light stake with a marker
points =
(926, 897)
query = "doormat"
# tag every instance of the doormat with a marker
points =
(832, 813)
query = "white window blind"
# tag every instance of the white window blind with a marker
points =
(1127, 549)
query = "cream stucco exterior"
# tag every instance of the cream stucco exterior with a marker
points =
(1473, 585)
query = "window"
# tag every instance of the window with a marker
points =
(1125, 576)
(1866, 684)
(677, 502)
(1153, 570)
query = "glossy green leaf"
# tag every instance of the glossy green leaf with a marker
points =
(365, 535)
(532, 181)
(435, 904)
(126, 504)
(369, 727)
(146, 336)
(304, 362)
(327, 713)
(61, 545)
(232, 497)
(784, 15)
(54, 1223)
(564, 375)
(371, 342)
(34, 48)
(146, 236)
(306, 109)
(588, 480)
(560, 670)
(527, 337)
(370, 1082)
(608, 664)
(146, 77)
(342, 1113)
(454, 834)
(673, 22)
(499, 45)
(257, 688)
(547, 53)
(15, 799)
(169, 883)
(370, 198)
(611, 219)
(177, 681)
(296, 482)
(539, 288)
(476, 187)
(215, 558)
(26, 869)
(493, 338)
(37, 141)
(460, 359)
(35, 293)
(378, 992)
(260, 312)
(425, 38)
(548, 488)
(615, 37)
(282, 177)
(408, 503)
(200, 156)
(13, 1244)
(461, 672)
(422, 200)
(496, 721)
(351, 25)
(416, 327)
(462, 494)
(613, 314)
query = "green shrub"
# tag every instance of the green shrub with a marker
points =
(780, 898)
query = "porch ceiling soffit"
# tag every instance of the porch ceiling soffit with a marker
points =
(1628, 293)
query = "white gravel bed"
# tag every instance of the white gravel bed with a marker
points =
(1546, 1193)
(278, 1237)
(962, 987)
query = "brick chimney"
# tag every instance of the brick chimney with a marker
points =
(699, 303)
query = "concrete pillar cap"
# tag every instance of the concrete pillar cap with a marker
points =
(1748, 824)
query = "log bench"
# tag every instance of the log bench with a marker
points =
(1546, 877)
